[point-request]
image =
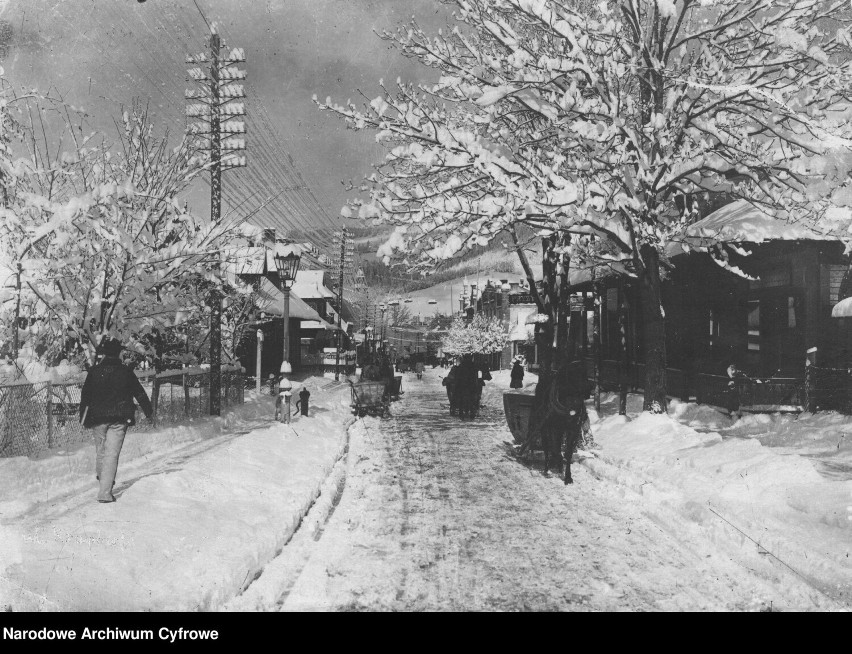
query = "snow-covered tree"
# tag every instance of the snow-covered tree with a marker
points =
(100, 243)
(609, 119)
(481, 335)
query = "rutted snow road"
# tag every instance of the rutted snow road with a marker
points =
(437, 514)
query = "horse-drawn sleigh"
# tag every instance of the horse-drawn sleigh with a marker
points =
(373, 394)
(559, 428)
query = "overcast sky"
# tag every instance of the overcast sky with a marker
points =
(100, 54)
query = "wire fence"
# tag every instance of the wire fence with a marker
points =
(44, 415)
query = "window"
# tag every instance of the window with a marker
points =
(791, 312)
(754, 325)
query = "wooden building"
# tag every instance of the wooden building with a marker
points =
(742, 288)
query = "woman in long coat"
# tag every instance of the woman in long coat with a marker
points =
(517, 374)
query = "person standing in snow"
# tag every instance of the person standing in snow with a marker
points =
(467, 387)
(483, 375)
(107, 408)
(517, 374)
(450, 382)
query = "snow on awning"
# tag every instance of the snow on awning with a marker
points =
(309, 285)
(578, 276)
(842, 309)
(742, 222)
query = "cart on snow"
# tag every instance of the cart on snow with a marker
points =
(370, 398)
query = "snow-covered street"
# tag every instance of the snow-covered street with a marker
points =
(421, 511)
(439, 515)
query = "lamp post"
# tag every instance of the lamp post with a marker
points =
(287, 264)
(382, 308)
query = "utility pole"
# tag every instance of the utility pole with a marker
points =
(213, 105)
(346, 247)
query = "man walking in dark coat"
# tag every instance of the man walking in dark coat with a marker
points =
(106, 407)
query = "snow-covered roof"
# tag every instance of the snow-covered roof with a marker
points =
(248, 261)
(270, 300)
(309, 285)
(583, 275)
(742, 222)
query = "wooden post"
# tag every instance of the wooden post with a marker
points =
(226, 382)
(810, 391)
(624, 364)
(259, 355)
(49, 413)
(596, 339)
(155, 399)
(186, 401)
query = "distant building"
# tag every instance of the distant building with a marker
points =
(255, 265)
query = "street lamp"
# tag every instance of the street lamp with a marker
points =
(287, 262)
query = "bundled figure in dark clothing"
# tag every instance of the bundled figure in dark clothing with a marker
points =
(450, 382)
(467, 387)
(106, 407)
(483, 375)
(517, 373)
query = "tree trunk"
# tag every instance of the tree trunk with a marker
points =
(655, 331)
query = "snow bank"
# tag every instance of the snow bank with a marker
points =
(728, 480)
(191, 527)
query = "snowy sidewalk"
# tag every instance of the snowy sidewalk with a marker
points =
(702, 473)
(200, 511)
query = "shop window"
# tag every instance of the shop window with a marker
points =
(754, 325)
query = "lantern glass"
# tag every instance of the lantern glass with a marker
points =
(288, 266)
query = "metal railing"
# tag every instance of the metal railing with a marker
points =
(43, 415)
(768, 394)
(614, 373)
